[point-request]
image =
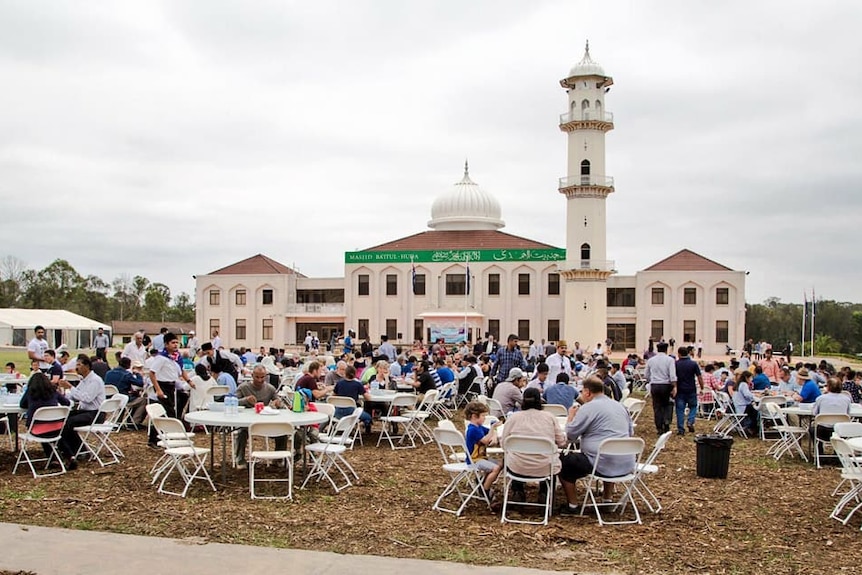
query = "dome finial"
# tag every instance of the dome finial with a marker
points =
(587, 50)
(466, 169)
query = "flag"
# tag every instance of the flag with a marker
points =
(467, 272)
(413, 276)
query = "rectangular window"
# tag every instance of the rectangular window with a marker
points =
(623, 335)
(240, 329)
(419, 286)
(363, 287)
(621, 297)
(240, 297)
(689, 331)
(657, 329)
(689, 296)
(391, 284)
(722, 296)
(418, 328)
(553, 330)
(524, 329)
(392, 329)
(456, 284)
(266, 332)
(266, 296)
(215, 325)
(523, 284)
(363, 329)
(722, 330)
(494, 328)
(658, 296)
(493, 284)
(215, 297)
(553, 284)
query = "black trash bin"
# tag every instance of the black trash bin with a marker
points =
(713, 455)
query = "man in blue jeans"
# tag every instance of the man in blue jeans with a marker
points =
(688, 379)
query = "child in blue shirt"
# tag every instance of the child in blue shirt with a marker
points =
(478, 438)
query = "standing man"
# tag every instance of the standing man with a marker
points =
(135, 350)
(689, 380)
(699, 348)
(387, 348)
(89, 395)
(558, 362)
(159, 340)
(37, 347)
(661, 376)
(507, 358)
(216, 340)
(770, 366)
(166, 370)
(101, 342)
(193, 344)
(536, 349)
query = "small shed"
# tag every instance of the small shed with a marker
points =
(61, 327)
(124, 330)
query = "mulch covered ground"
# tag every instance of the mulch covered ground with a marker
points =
(765, 517)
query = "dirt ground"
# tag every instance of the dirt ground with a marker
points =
(766, 516)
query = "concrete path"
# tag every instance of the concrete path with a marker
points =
(49, 551)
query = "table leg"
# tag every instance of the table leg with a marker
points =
(12, 421)
(224, 433)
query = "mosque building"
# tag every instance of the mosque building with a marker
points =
(464, 277)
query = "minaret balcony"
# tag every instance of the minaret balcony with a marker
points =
(587, 120)
(586, 185)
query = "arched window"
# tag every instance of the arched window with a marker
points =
(585, 255)
(585, 109)
(598, 109)
(585, 172)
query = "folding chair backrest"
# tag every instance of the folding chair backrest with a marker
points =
(429, 399)
(555, 409)
(659, 445)
(166, 425)
(773, 410)
(404, 400)
(847, 455)
(529, 445)
(326, 408)
(343, 431)
(339, 401)
(626, 393)
(830, 419)
(449, 437)
(217, 391)
(483, 399)
(494, 405)
(848, 429)
(51, 418)
(111, 390)
(155, 410)
(111, 406)
(621, 446)
(635, 409)
(271, 429)
(447, 424)
(628, 401)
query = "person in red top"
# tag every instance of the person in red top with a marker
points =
(770, 366)
(310, 381)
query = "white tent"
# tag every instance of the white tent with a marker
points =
(61, 327)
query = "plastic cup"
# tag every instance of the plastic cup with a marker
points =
(258, 407)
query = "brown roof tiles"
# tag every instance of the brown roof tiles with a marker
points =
(687, 261)
(256, 265)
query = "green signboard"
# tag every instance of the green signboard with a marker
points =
(448, 256)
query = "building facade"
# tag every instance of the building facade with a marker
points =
(464, 277)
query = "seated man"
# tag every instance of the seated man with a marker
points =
(258, 391)
(599, 418)
(89, 394)
(349, 386)
(124, 380)
(561, 393)
(508, 392)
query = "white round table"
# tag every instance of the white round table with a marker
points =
(244, 419)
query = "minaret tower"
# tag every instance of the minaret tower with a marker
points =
(586, 187)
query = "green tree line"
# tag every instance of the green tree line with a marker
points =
(837, 325)
(59, 286)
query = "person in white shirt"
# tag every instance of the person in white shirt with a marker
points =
(193, 345)
(387, 349)
(165, 372)
(135, 349)
(216, 341)
(101, 343)
(536, 349)
(89, 394)
(37, 347)
(558, 363)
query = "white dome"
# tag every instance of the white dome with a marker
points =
(587, 67)
(466, 207)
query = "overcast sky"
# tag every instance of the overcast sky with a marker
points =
(173, 138)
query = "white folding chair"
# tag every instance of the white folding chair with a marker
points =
(768, 420)
(465, 480)
(417, 428)
(648, 467)
(495, 407)
(48, 423)
(615, 447)
(851, 472)
(730, 420)
(271, 430)
(635, 407)
(788, 435)
(346, 402)
(825, 420)
(329, 454)
(97, 436)
(556, 409)
(111, 390)
(327, 408)
(188, 460)
(845, 430)
(439, 408)
(533, 447)
(402, 402)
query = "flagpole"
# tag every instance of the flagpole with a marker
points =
(466, 292)
(804, 313)
(410, 320)
(813, 307)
